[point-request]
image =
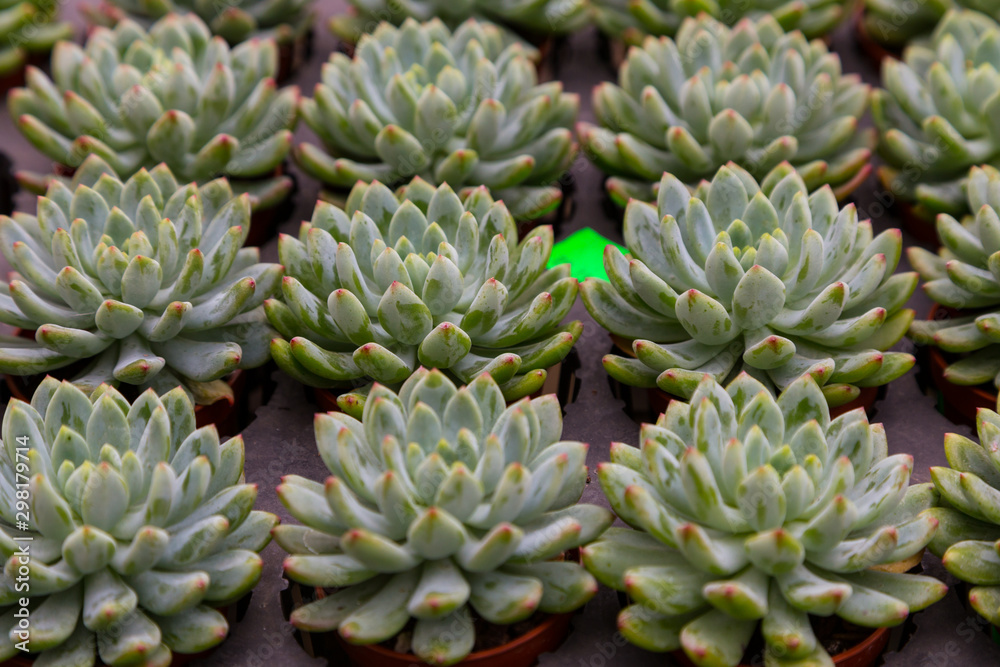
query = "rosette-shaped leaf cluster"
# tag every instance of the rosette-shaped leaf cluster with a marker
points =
(751, 94)
(425, 280)
(755, 512)
(140, 528)
(28, 27)
(146, 279)
(964, 275)
(173, 95)
(538, 18)
(235, 22)
(631, 20)
(775, 281)
(896, 23)
(461, 107)
(939, 114)
(968, 539)
(443, 502)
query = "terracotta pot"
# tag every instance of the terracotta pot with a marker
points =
(866, 399)
(875, 51)
(863, 655)
(922, 230)
(959, 403)
(292, 54)
(223, 413)
(522, 652)
(10, 81)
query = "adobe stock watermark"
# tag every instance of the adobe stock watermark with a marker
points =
(22, 508)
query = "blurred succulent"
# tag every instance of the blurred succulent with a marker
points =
(174, 95)
(538, 19)
(236, 21)
(442, 502)
(140, 527)
(968, 539)
(760, 512)
(774, 281)
(458, 108)
(28, 28)
(395, 283)
(632, 20)
(938, 114)
(964, 275)
(752, 94)
(896, 23)
(145, 279)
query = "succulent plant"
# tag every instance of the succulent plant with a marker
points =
(896, 23)
(140, 527)
(442, 503)
(754, 512)
(392, 283)
(631, 20)
(235, 22)
(538, 19)
(968, 538)
(964, 275)
(147, 280)
(460, 108)
(770, 280)
(751, 94)
(28, 27)
(174, 95)
(938, 114)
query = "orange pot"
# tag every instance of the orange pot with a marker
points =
(863, 655)
(959, 402)
(871, 47)
(522, 652)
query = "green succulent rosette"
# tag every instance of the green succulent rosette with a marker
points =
(752, 94)
(896, 23)
(442, 503)
(767, 279)
(538, 19)
(964, 275)
(236, 21)
(938, 113)
(391, 283)
(755, 514)
(632, 20)
(146, 281)
(28, 28)
(172, 95)
(968, 539)
(461, 107)
(140, 528)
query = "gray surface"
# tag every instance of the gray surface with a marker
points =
(280, 441)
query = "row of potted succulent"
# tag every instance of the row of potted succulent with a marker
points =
(446, 509)
(465, 108)
(147, 283)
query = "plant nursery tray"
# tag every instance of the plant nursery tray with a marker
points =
(279, 441)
